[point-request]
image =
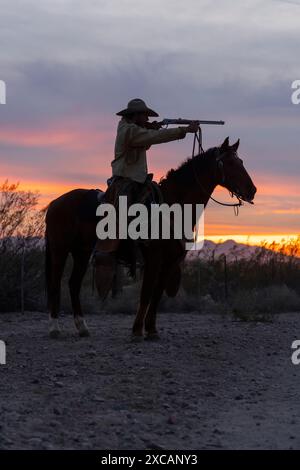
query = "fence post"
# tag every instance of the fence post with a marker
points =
(22, 276)
(199, 276)
(225, 278)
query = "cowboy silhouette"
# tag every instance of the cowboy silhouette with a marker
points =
(135, 135)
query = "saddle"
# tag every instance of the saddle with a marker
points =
(146, 193)
(149, 193)
(128, 251)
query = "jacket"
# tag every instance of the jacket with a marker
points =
(131, 144)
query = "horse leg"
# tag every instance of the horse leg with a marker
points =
(151, 272)
(168, 280)
(57, 264)
(80, 263)
(150, 321)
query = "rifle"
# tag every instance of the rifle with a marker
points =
(166, 122)
(198, 135)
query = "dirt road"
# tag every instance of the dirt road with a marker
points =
(209, 383)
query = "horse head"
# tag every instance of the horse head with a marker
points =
(231, 173)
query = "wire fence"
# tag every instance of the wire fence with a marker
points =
(225, 279)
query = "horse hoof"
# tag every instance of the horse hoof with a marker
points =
(152, 337)
(81, 327)
(137, 338)
(54, 334)
(84, 333)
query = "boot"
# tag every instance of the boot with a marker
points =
(105, 264)
(104, 260)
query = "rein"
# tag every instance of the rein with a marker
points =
(198, 137)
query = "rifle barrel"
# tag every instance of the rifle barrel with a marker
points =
(188, 121)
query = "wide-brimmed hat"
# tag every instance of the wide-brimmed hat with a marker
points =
(137, 106)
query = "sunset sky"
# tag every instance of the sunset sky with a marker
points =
(70, 65)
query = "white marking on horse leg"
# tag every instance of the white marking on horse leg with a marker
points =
(54, 330)
(81, 326)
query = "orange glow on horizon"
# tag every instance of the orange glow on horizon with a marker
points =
(86, 153)
(254, 239)
(245, 233)
(60, 135)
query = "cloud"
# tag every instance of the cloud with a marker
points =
(293, 2)
(70, 65)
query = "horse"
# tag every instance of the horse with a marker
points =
(193, 182)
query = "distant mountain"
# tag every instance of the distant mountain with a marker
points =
(230, 248)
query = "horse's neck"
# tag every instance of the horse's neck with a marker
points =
(203, 183)
(197, 193)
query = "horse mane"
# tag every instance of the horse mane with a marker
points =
(183, 172)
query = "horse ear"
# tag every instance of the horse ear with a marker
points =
(225, 144)
(235, 146)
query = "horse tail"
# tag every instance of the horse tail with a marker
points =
(47, 269)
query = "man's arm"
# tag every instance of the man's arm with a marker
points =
(141, 137)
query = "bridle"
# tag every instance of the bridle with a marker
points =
(220, 166)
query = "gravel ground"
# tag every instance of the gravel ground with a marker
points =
(209, 383)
